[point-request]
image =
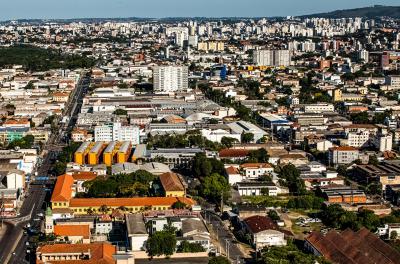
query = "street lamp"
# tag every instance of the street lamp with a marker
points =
(227, 247)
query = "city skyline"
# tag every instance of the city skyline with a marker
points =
(46, 9)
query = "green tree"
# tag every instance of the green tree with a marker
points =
(393, 235)
(120, 112)
(104, 209)
(373, 160)
(161, 243)
(219, 260)
(360, 118)
(259, 155)
(24, 142)
(214, 186)
(273, 215)
(291, 176)
(247, 137)
(187, 247)
(203, 166)
(228, 142)
(179, 205)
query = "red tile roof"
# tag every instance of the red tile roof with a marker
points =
(361, 247)
(344, 148)
(171, 182)
(232, 170)
(100, 253)
(258, 223)
(233, 153)
(256, 165)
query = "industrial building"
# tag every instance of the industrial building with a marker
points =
(124, 152)
(95, 153)
(81, 153)
(100, 152)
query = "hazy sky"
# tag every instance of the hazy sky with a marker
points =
(14, 9)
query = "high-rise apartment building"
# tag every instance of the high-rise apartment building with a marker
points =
(170, 78)
(271, 57)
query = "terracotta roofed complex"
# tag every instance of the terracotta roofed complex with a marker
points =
(96, 253)
(361, 247)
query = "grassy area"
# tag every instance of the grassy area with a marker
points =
(301, 231)
(269, 201)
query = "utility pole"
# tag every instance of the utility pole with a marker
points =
(2, 207)
(222, 202)
(227, 247)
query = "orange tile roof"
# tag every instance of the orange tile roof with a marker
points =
(15, 122)
(72, 230)
(233, 153)
(84, 176)
(171, 182)
(100, 253)
(368, 126)
(344, 148)
(63, 189)
(256, 165)
(60, 94)
(232, 170)
(136, 201)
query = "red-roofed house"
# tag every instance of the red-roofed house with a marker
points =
(264, 232)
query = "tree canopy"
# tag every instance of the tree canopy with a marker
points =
(290, 177)
(24, 142)
(121, 185)
(39, 59)
(161, 243)
(214, 186)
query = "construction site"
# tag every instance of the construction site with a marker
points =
(94, 153)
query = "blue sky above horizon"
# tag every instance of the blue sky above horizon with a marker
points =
(26, 9)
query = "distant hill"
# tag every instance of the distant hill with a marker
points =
(369, 12)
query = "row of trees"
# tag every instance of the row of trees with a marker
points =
(335, 216)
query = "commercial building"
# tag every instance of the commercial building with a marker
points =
(170, 78)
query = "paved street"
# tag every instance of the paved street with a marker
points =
(225, 238)
(13, 243)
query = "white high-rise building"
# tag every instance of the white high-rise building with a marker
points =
(271, 57)
(117, 132)
(363, 55)
(170, 78)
